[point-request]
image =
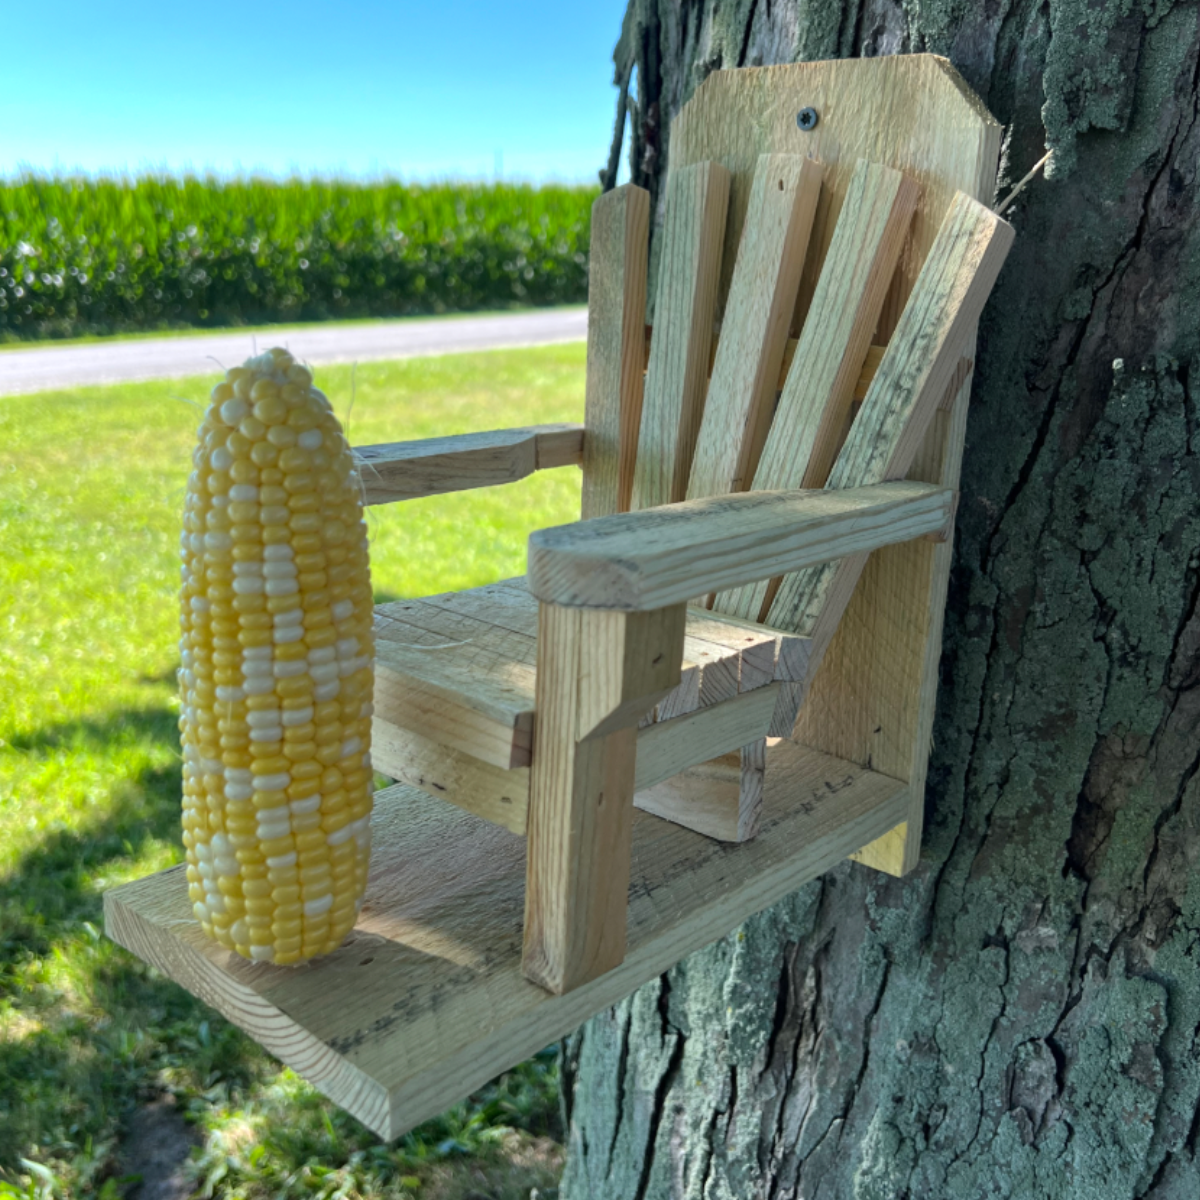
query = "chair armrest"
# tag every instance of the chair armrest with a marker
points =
(647, 560)
(406, 470)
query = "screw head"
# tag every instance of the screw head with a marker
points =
(806, 118)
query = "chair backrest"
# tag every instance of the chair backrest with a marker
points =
(771, 228)
(803, 205)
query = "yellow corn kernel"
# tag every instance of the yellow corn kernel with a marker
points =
(265, 784)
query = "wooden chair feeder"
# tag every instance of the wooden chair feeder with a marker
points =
(665, 659)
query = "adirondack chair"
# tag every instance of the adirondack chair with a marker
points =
(739, 638)
(555, 704)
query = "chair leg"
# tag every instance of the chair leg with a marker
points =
(598, 672)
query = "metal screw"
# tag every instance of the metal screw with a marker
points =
(806, 118)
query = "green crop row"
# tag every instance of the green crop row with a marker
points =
(84, 256)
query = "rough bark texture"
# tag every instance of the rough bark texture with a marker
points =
(1021, 1016)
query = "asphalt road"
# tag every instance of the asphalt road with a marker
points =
(44, 367)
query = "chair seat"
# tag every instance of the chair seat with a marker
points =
(460, 668)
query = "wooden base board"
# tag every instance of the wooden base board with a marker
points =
(425, 1000)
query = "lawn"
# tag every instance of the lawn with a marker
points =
(91, 487)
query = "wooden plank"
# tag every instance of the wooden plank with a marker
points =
(790, 654)
(502, 796)
(919, 582)
(783, 201)
(441, 715)
(911, 383)
(721, 658)
(616, 347)
(597, 673)
(912, 112)
(684, 308)
(684, 698)
(751, 787)
(645, 560)
(425, 1001)
(757, 649)
(872, 700)
(869, 367)
(855, 277)
(814, 410)
(454, 686)
(406, 470)
(494, 793)
(668, 747)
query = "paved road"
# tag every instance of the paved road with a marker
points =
(46, 367)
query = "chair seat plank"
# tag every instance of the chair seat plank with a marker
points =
(460, 670)
(725, 657)
(766, 277)
(446, 682)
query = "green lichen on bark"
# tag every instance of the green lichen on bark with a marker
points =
(1019, 1017)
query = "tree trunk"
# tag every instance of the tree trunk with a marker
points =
(1021, 1015)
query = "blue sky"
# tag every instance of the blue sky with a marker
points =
(444, 88)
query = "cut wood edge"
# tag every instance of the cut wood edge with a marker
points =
(616, 347)
(396, 471)
(649, 559)
(201, 967)
(686, 891)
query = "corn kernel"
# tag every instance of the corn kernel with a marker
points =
(274, 576)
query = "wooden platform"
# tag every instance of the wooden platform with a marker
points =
(426, 1002)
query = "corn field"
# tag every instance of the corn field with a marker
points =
(81, 256)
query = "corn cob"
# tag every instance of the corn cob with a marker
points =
(276, 675)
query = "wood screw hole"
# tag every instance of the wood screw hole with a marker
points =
(366, 962)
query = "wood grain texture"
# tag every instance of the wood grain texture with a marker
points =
(493, 793)
(425, 1001)
(689, 265)
(790, 662)
(814, 408)
(502, 796)
(913, 113)
(916, 371)
(616, 347)
(459, 683)
(668, 747)
(870, 363)
(872, 700)
(598, 671)
(913, 581)
(459, 670)
(405, 470)
(754, 327)
(832, 351)
(645, 560)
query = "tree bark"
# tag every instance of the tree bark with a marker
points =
(1021, 1015)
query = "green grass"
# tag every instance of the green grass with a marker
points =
(91, 486)
(81, 256)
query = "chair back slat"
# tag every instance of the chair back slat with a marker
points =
(689, 265)
(918, 367)
(814, 410)
(754, 328)
(616, 350)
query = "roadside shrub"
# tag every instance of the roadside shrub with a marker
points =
(84, 255)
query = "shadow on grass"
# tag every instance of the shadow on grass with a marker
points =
(94, 1028)
(96, 1031)
(53, 884)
